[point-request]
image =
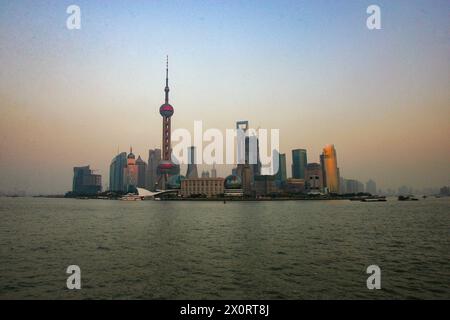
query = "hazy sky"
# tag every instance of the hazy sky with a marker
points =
(310, 68)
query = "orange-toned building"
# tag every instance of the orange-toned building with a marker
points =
(330, 168)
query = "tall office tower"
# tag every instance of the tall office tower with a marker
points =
(118, 164)
(141, 172)
(240, 152)
(299, 163)
(281, 175)
(85, 182)
(247, 180)
(248, 151)
(154, 158)
(130, 173)
(166, 166)
(192, 172)
(214, 171)
(329, 159)
(371, 187)
(314, 177)
(252, 155)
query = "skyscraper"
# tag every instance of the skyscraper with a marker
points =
(141, 172)
(130, 173)
(246, 180)
(299, 163)
(329, 160)
(154, 158)
(281, 175)
(192, 172)
(166, 166)
(248, 151)
(116, 171)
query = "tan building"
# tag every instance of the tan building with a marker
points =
(314, 178)
(209, 187)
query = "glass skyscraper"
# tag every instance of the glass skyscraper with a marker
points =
(116, 181)
(299, 163)
(281, 175)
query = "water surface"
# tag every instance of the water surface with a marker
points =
(211, 250)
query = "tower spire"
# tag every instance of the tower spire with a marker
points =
(167, 80)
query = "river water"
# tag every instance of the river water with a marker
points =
(211, 250)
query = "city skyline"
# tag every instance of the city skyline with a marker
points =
(60, 110)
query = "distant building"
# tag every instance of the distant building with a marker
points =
(116, 170)
(205, 174)
(141, 172)
(342, 186)
(85, 182)
(314, 178)
(324, 176)
(154, 158)
(299, 163)
(444, 191)
(353, 186)
(339, 180)
(192, 164)
(295, 185)
(329, 159)
(404, 191)
(246, 177)
(214, 171)
(371, 187)
(360, 187)
(130, 173)
(265, 185)
(208, 187)
(281, 175)
(248, 151)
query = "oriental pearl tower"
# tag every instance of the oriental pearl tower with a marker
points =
(166, 167)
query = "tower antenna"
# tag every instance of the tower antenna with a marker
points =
(167, 80)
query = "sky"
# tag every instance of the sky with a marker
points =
(309, 68)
